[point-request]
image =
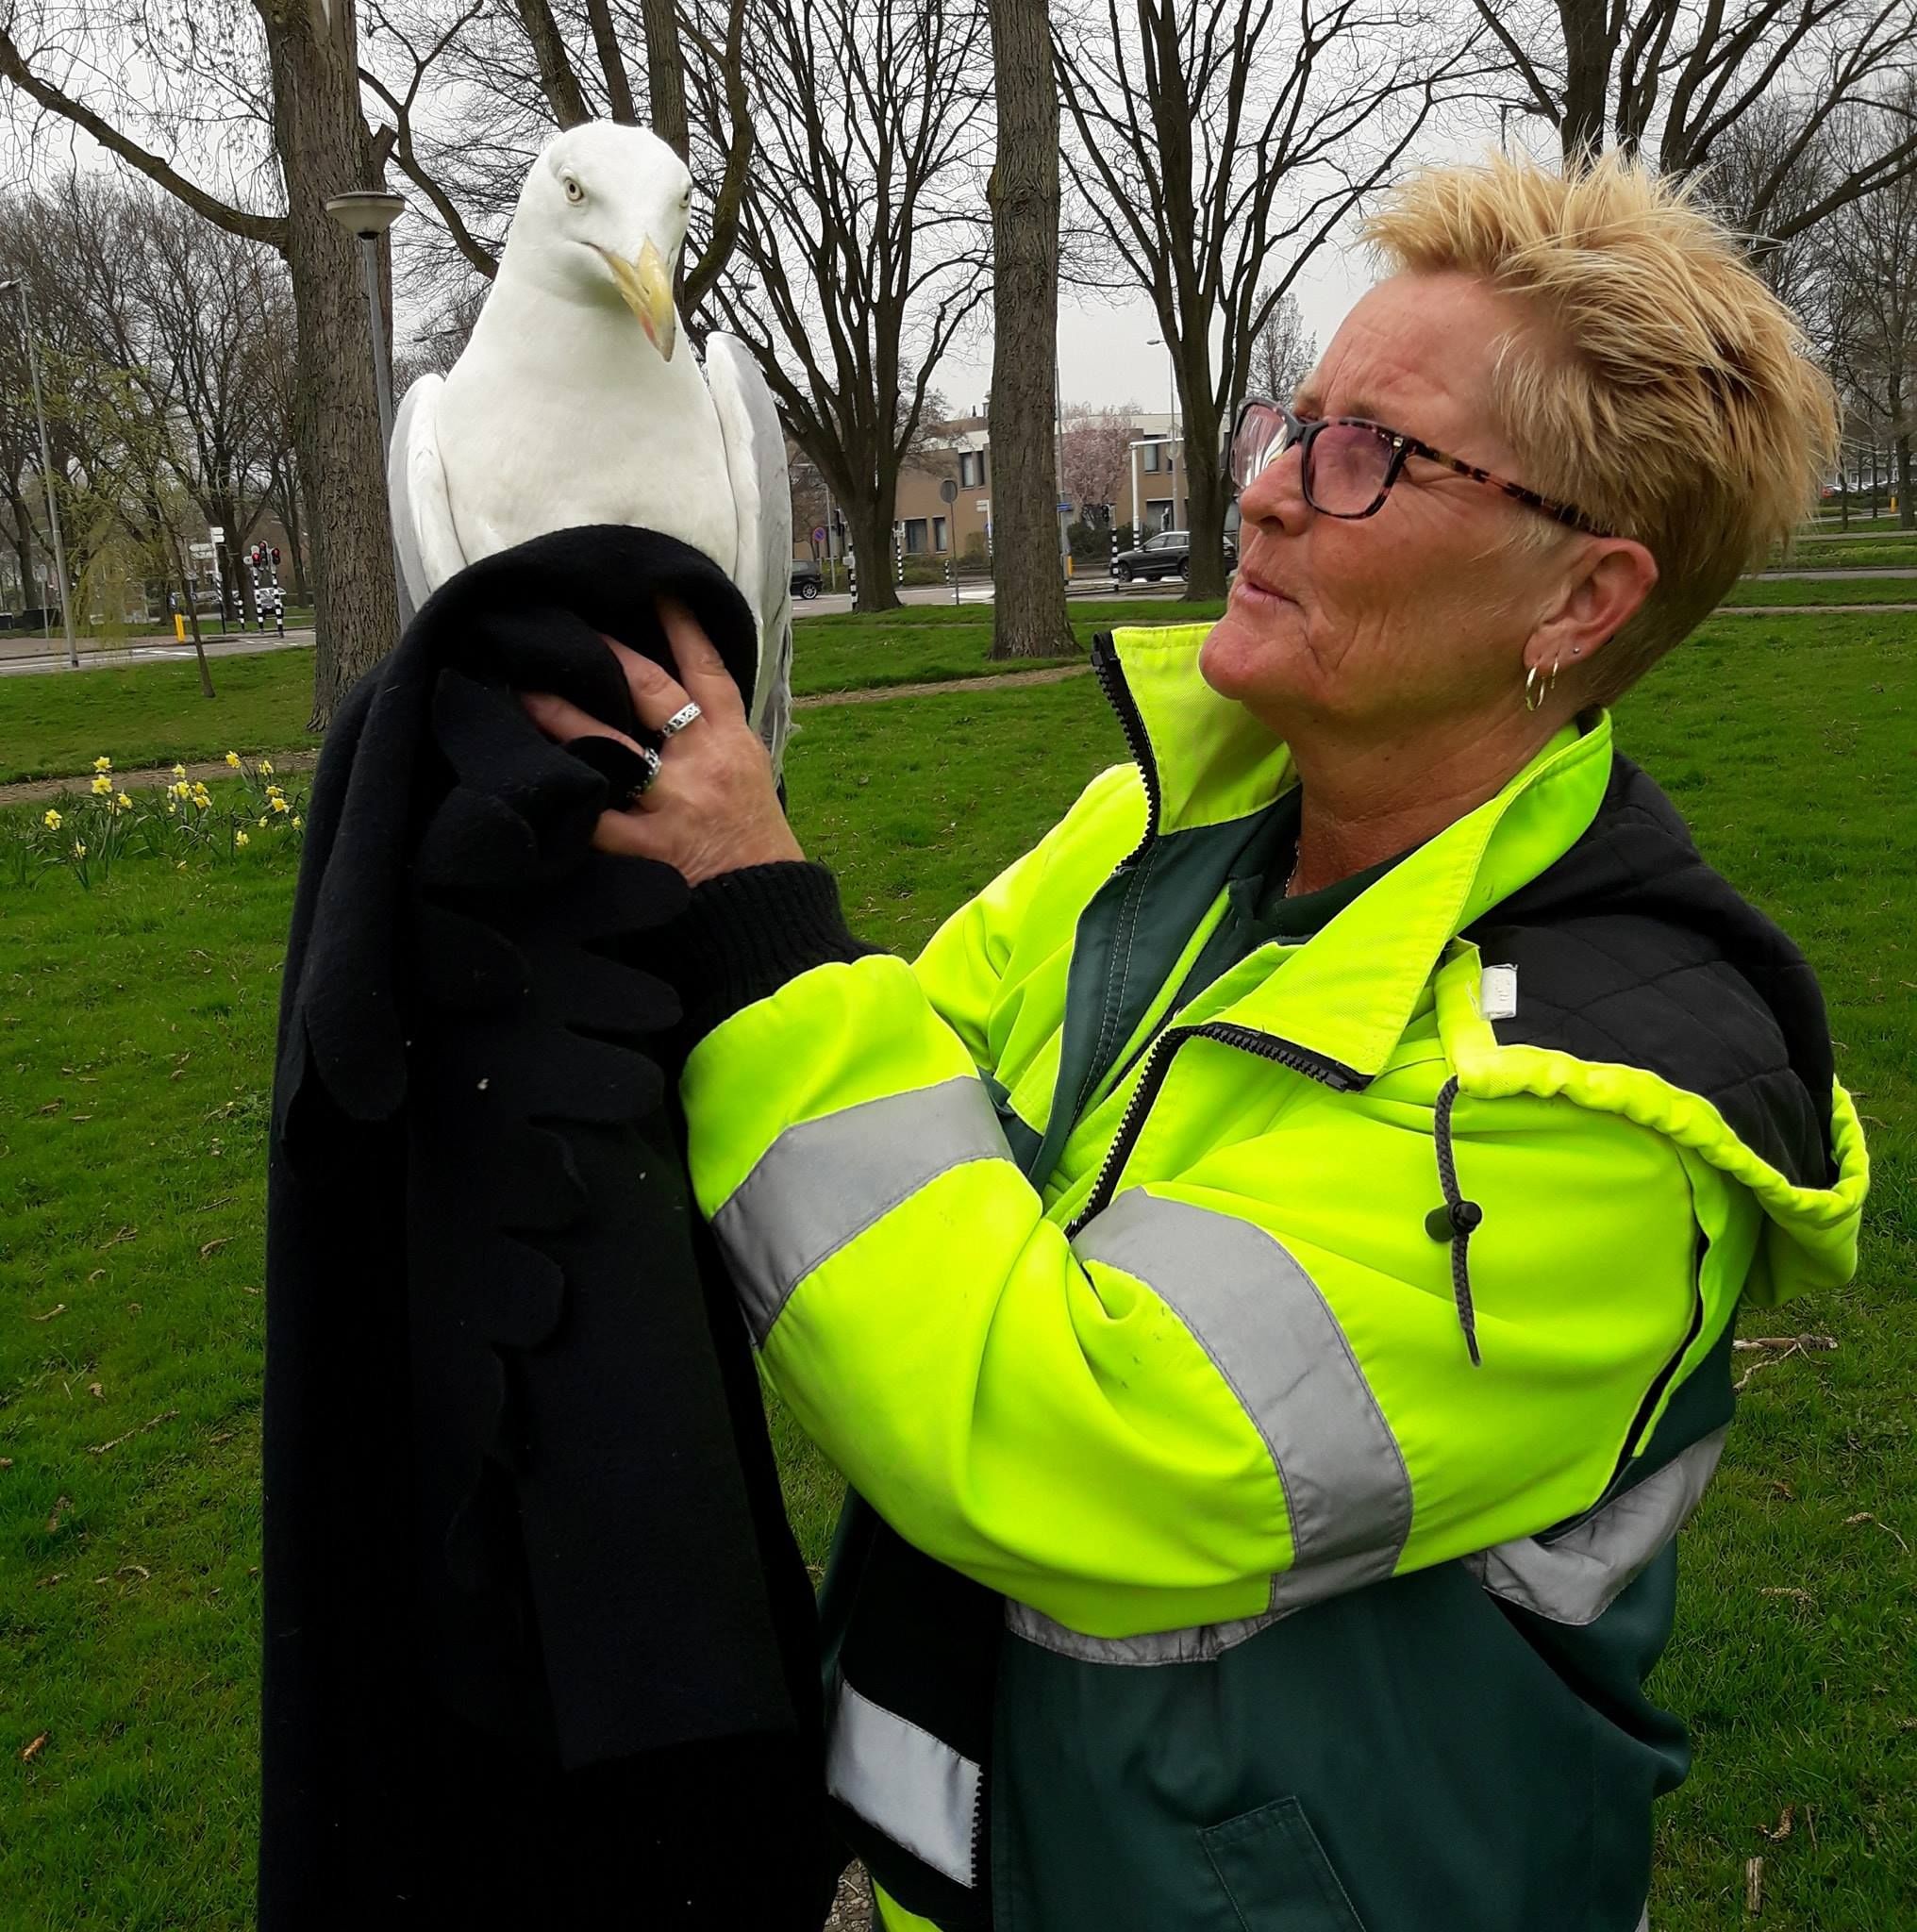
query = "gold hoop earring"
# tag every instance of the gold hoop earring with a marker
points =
(1533, 696)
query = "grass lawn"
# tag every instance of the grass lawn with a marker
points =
(1885, 552)
(51, 725)
(136, 1024)
(1791, 592)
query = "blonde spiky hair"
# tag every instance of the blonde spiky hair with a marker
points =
(1665, 390)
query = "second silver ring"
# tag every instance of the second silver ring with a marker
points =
(679, 720)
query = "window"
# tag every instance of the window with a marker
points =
(971, 469)
(1152, 458)
(915, 536)
(941, 541)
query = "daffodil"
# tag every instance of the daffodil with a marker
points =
(124, 803)
(239, 838)
(280, 804)
(52, 820)
(266, 768)
(233, 759)
(295, 822)
(179, 771)
(79, 850)
(103, 764)
(171, 807)
(262, 820)
(103, 786)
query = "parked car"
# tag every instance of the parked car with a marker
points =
(1167, 555)
(808, 579)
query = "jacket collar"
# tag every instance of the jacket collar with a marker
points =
(1348, 996)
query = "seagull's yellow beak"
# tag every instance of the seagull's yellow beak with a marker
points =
(648, 290)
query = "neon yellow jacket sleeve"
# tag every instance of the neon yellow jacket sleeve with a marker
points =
(1242, 1384)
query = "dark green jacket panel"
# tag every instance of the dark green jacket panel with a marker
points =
(1357, 1745)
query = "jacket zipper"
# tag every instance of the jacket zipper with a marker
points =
(1137, 741)
(1267, 1047)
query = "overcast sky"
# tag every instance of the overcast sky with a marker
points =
(1102, 357)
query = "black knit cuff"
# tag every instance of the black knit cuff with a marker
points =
(744, 934)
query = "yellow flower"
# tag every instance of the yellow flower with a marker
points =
(79, 850)
(180, 790)
(280, 804)
(239, 838)
(263, 820)
(52, 820)
(233, 759)
(266, 768)
(171, 807)
(295, 822)
(179, 771)
(103, 786)
(124, 803)
(274, 791)
(103, 764)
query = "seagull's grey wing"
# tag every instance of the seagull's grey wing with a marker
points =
(423, 539)
(761, 492)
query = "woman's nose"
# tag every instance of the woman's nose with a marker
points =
(1275, 496)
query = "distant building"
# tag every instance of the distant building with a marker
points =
(960, 451)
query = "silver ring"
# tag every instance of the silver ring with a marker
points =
(679, 720)
(653, 764)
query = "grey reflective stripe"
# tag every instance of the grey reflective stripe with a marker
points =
(913, 1787)
(1575, 1578)
(1272, 1336)
(823, 1184)
(1202, 1643)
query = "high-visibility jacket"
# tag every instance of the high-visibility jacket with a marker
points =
(1318, 1373)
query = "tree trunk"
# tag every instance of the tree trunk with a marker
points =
(870, 523)
(325, 149)
(23, 547)
(1028, 595)
(1588, 49)
(286, 503)
(665, 76)
(1205, 493)
(1907, 511)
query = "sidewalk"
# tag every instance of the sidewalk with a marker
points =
(27, 655)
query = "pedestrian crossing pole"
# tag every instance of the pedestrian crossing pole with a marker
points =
(852, 577)
(898, 556)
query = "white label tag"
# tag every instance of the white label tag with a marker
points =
(1497, 992)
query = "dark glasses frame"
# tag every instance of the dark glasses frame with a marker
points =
(1301, 433)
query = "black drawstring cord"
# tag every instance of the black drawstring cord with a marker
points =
(1455, 1220)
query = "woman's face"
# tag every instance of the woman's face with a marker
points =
(1421, 612)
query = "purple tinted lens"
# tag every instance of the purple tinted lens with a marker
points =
(1260, 439)
(1349, 463)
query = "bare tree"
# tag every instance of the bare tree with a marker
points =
(515, 74)
(1283, 353)
(1097, 448)
(1028, 596)
(1872, 296)
(861, 247)
(1672, 78)
(1209, 141)
(164, 86)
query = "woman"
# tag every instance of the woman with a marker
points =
(1277, 1250)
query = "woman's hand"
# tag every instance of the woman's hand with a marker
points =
(713, 807)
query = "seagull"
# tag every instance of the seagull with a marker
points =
(574, 402)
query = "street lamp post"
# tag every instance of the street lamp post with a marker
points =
(59, 549)
(368, 213)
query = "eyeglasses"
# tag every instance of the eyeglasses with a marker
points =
(1349, 464)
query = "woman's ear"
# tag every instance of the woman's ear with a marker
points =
(1613, 578)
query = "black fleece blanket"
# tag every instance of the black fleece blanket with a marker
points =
(540, 1649)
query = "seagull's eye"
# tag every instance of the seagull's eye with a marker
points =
(686, 199)
(573, 190)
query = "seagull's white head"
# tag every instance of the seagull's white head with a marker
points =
(602, 218)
